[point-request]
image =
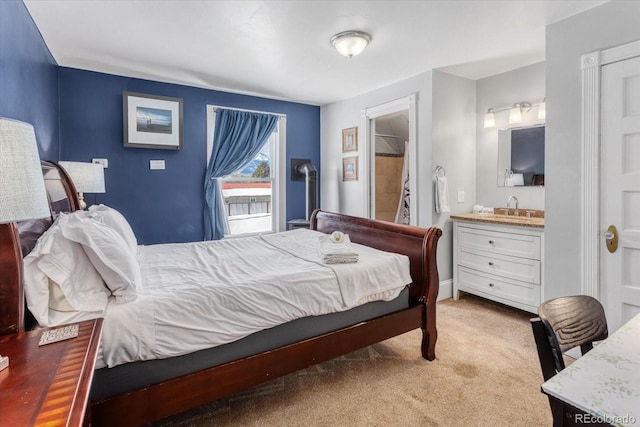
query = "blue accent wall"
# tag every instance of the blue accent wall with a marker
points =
(165, 205)
(28, 77)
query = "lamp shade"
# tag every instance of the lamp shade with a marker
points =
(87, 177)
(350, 43)
(22, 192)
(515, 114)
(542, 110)
(489, 119)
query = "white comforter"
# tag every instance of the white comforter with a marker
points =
(204, 294)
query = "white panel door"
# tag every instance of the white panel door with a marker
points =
(620, 190)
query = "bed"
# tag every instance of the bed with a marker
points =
(124, 395)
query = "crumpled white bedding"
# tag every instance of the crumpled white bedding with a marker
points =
(204, 294)
(375, 274)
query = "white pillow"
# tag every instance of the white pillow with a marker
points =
(57, 300)
(108, 253)
(118, 222)
(61, 265)
(36, 288)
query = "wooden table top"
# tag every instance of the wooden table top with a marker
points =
(48, 385)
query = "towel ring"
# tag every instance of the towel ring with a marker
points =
(439, 169)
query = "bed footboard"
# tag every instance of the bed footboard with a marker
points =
(418, 243)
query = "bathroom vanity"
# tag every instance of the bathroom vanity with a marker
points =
(500, 257)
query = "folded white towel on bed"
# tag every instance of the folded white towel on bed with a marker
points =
(358, 284)
(336, 249)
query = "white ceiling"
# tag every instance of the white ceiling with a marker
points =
(281, 49)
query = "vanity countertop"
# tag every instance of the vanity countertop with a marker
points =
(520, 221)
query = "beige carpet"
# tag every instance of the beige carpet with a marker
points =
(486, 373)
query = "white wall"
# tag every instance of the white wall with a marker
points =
(446, 110)
(605, 26)
(349, 197)
(454, 148)
(502, 90)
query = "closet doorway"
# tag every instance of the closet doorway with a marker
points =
(391, 196)
(390, 138)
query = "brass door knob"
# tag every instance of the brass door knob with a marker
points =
(611, 238)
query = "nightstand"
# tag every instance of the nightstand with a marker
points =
(49, 384)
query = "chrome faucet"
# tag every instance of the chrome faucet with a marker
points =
(509, 204)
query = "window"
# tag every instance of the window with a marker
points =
(248, 194)
(252, 194)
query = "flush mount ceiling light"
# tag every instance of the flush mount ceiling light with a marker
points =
(350, 43)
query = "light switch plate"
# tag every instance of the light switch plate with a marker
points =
(103, 162)
(156, 165)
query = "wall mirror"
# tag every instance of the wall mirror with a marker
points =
(521, 156)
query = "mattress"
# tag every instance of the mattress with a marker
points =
(121, 379)
(206, 294)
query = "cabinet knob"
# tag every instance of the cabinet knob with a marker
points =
(491, 285)
(490, 263)
(491, 242)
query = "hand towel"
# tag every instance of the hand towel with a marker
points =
(441, 196)
(336, 249)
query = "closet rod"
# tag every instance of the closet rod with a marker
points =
(391, 136)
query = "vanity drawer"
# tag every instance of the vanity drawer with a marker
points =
(522, 269)
(498, 288)
(496, 242)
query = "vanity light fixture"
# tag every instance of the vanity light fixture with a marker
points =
(515, 113)
(489, 119)
(350, 43)
(542, 109)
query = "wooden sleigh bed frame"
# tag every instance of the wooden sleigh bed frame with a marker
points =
(191, 390)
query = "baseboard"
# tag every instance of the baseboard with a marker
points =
(446, 290)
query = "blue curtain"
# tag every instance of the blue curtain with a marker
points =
(237, 139)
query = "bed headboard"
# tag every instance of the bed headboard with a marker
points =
(17, 240)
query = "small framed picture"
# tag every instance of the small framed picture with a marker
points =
(152, 121)
(349, 139)
(350, 168)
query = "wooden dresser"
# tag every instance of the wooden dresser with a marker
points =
(48, 385)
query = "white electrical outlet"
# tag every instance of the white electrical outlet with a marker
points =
(460, 196)
(103, 162)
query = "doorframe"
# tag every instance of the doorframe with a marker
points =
(368, 166)
(590, 173)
